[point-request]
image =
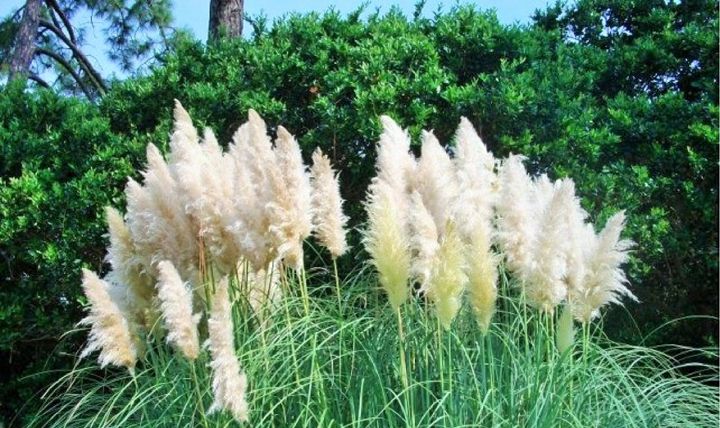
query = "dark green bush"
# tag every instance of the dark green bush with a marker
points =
(619, 95)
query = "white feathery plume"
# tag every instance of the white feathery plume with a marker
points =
(228, 382)
(541, 193)
(255, 164)
(297, 179)
(436, 181)
(387, 238)
(423, 241)
(157, 221)
(110, 330)
(477, 182)
(544, 284)
(474, 217)
(328, 217)
(290, 210)
(517, 219)
(127, 270)
(177, 309)
(605, 280)
(205, 187)
(395, 164)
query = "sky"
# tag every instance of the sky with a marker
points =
(193, 15)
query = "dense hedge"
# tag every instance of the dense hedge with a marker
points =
(620, 95)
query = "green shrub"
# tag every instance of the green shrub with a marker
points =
(632, 117)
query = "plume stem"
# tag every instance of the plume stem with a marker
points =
(337, 283)
(401, 336)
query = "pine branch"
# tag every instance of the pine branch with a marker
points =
(37, 79)
(66, 22)
(79, 56)
(68, 67)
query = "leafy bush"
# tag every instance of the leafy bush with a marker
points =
(620, 95)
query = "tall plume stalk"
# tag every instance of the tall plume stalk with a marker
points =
(386, 238)
(127, 269)
(475, 212)
(228, 382)
(291, 211)
(328, 217)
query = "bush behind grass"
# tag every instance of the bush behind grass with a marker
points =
(632, 116)
(338, 365)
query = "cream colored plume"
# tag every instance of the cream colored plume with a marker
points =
(329, 219)
(395, 164)
(228, 382)
(448, 279)
(605, 280)
(297, 179)
(481, 263)
(423, 242)
(157, 221)
(544, 284)
(387, 237)
(177, 309)
(128, 271)
(516, 217)
(256, 177)
(477, 197)
(436, 181)
(477, 183)
(110, 330)
(205, 187)
(386, 240)
(290, 210)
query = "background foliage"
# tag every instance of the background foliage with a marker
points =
(620, 95)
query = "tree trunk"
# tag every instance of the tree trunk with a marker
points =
(25, 41)
(226, 18)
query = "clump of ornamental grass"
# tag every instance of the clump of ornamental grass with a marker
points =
(468, 247)
(338, 367)
(203, 214)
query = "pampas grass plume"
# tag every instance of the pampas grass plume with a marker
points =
(228, 382)
(176, 306)
(109, 328)
(387, 237)
(387, 241)
(517, 227)
(482, 278)
(605, 282)
(435, 180)
(329, 219)
(127, 268)
(448, 279)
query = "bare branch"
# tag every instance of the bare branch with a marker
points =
(79, 56)
(37, 79)
(68, 67)
(66, 22)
